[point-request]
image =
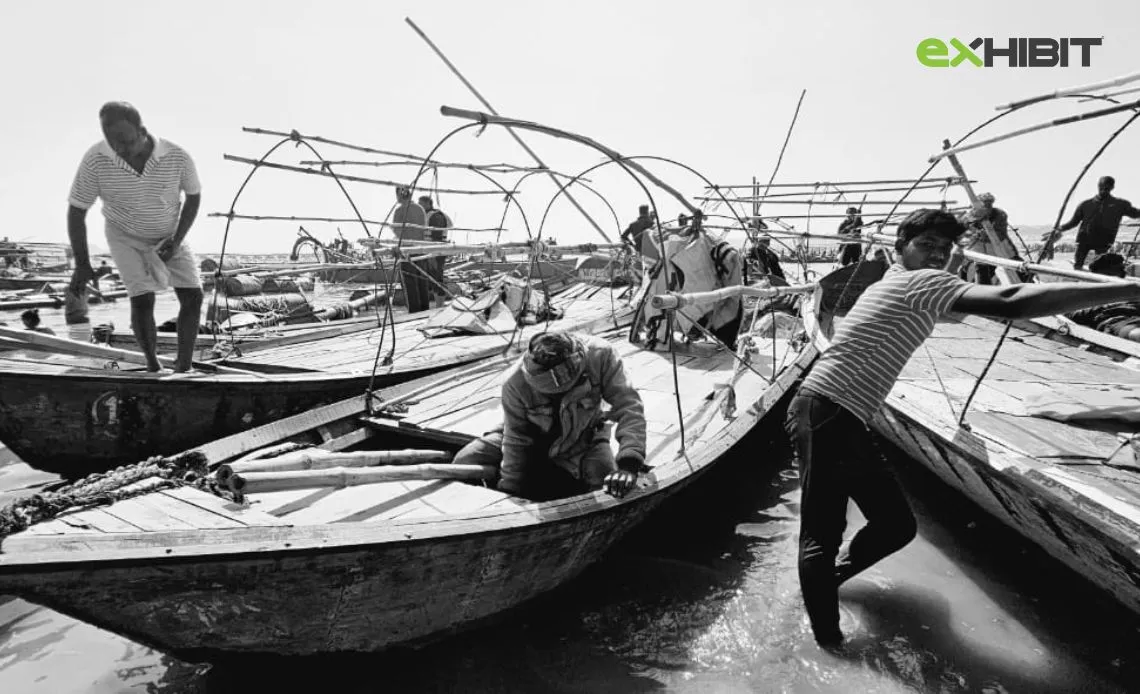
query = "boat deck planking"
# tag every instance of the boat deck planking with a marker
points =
(467, 410)
(356, 351)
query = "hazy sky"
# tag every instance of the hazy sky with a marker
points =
(712, 84)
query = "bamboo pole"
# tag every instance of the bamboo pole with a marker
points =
(1110, 95)
(86, 349)
(449, 249)
(257, 482)
(318, 459)
(780, 158)
(426, 228)
(566, 135)
(839, 202)
(681, 300)
(987, 226)
(1088, 115)
(347, 177)
(276, 218)
(491, 168)
(489, 107)
(335, 143)
(838, 191)
(1083, 89)
(817, 184)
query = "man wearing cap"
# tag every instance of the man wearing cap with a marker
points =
(142, 180)
(827, 418)
(555, 439)
(1099, 218)
(979, 241)
(850, 227)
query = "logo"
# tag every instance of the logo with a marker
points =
(1015, 52)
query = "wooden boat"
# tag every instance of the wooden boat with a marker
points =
(1068, 486)
(74, 420)
(364, 568)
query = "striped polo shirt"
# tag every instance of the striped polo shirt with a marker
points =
(878, 336)
(145, 205)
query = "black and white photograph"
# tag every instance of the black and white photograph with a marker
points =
(594, 347)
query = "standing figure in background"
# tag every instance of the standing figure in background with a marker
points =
(408, 219)
(978, 240)
(634, 234)
(141, 180)
(852, 228)
(1099, 218)
(437, 220)
(765, 259)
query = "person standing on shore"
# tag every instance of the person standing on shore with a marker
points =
(1099, 218)
(850, 227)
(827, 418)
(141, 180)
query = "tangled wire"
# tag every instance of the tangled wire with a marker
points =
(153, 474)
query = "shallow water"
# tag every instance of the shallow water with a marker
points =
(703, 598)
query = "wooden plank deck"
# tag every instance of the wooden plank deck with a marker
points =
(937, 381)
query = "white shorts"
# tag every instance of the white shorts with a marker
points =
(143, 272)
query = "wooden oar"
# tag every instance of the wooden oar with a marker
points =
(680, 300)
(255, 482)
(85, 349)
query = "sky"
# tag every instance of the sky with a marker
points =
(712, 84)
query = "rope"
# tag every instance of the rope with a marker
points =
(124, 482)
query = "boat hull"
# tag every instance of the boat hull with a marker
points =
(351, 600)
(74, 424)
(1094, 543)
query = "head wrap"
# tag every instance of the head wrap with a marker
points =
(554, 362)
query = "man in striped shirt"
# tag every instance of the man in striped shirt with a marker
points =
(141, 180)
(827, 419)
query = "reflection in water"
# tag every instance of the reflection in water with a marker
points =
(702, 599)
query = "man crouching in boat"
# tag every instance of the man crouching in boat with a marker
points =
(555, 441)
(827, 419)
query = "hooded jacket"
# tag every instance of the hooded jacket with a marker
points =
(572, 420)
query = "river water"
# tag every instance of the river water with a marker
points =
(703, 598)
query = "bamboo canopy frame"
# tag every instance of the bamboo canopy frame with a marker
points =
(432, 163)
(836, 191)
(1088, 115)
(486, 118)
(949, 180)
(487, 105)
(768, 201)
(356, 179)
(1083, 89)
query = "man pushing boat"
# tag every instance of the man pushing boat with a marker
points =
(555, 440)
(141, 180)
(827, 418)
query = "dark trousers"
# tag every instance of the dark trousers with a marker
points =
(838, 461)
(417, 278)
(1086, 244)
(850, 254)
